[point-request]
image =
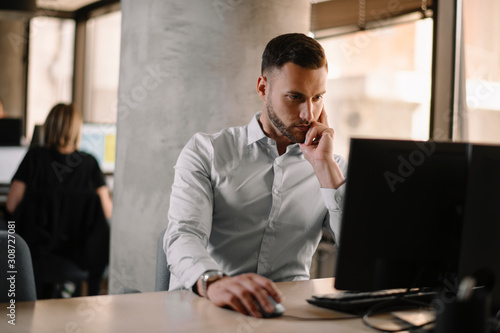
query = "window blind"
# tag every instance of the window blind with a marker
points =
(342, 13)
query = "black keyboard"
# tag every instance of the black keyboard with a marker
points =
(360, 302)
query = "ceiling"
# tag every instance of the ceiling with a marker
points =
(63, 5)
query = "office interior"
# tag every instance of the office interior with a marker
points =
(147, 75)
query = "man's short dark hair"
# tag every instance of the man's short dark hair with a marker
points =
(297, 48)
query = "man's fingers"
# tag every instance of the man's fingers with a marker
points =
(323, 117)
(258, 289)
(269, 286)
(259, 294)
(246, 299)
(243, 293)
(236, 305)
(313, 133)
(316, 132)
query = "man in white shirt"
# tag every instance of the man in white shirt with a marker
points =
(249, 203)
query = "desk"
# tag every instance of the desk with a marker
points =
(175, 311)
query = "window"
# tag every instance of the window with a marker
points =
(481, 122)
(380, 83)
(50, 69)
(102, 68)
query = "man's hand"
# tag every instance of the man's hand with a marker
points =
(318, 150)
(242, 291)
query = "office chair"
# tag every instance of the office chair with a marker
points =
(61, 270)
(68, 236)
(162, 271)
(25, 289)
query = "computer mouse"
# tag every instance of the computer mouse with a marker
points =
(279, 309)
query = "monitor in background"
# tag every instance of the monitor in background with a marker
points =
(99, 140)
(11, 158)
(10, 132)
(480, 253)
(402, 217)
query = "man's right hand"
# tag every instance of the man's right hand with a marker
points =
(242, 291)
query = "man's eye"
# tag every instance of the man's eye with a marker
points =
(317, 98)
(294, 97)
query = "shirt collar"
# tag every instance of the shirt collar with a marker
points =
(255, 132)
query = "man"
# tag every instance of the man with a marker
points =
(248, 203)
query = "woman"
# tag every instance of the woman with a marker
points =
(55, 198)
(59, 164)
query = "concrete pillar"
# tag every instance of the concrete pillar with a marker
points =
(12, 66)
(186, 66)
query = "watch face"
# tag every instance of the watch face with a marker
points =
(208, 278)
(213, 278)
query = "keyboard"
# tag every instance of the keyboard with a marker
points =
(359, 302)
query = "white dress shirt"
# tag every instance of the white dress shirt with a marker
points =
(239, 207)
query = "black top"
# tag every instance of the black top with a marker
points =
(61, 215)
(46, 168)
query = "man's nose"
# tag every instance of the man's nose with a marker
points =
(306, 113)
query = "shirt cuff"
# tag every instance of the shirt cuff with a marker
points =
(333, 198)
(193, 274)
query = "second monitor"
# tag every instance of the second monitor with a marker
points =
(98, 139)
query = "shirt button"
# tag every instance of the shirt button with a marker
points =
(275, 191)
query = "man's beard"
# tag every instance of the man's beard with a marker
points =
(286, 131)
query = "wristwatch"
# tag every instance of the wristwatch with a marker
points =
(210, 277)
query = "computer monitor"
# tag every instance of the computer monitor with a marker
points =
(10, 132)
(402, 216)
(480, 252)
(99, 140)
(10, 158)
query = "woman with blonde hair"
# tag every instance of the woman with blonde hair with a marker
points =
(55, 197)
(62, 132)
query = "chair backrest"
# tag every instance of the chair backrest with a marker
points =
(14, 251)
(162, 271)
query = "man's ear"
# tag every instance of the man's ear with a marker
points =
(262, 85)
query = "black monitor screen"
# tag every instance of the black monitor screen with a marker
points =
(10, 132)
(403, 214)
(480, 256)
